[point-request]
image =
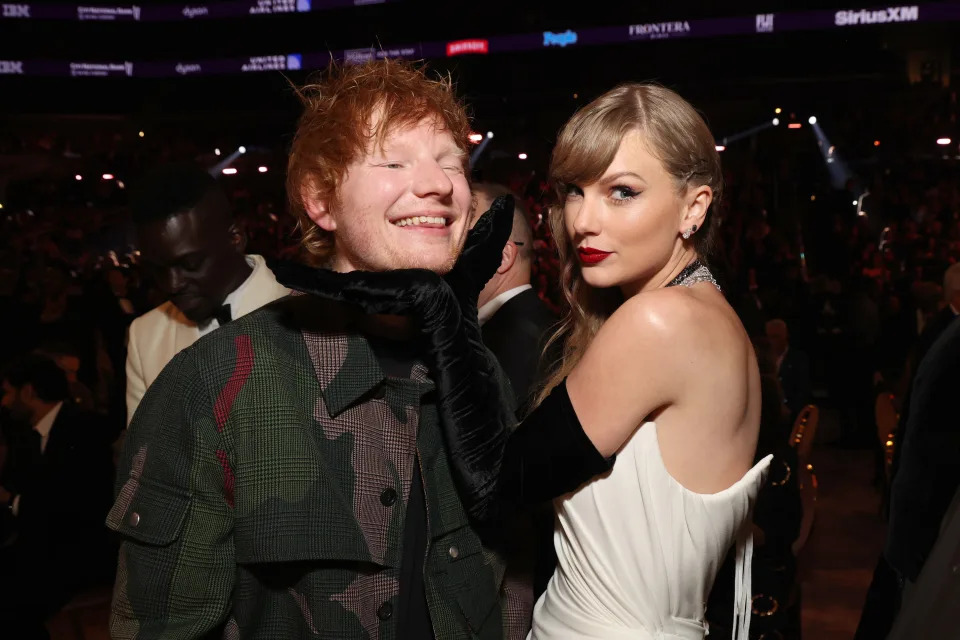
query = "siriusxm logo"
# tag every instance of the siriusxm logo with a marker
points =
(15, 10)
(559, 39)
(881, 16)
(764, 23)
(193, 12)
(11, 67)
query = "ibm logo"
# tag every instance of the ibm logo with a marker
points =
(764, 23)
(15, 10)
(11, 67)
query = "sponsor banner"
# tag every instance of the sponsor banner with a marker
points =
(764, 23)
(744, 25)
(185, 68)
(100, 69)
(461, 47)
(877, 16)
(11, 67)
(14, 10)
(291, 62)
(551, 39)
(108, 13)
(659, 30)
(165, 11)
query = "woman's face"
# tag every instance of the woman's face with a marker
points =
(626, 227)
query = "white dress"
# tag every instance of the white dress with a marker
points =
(637, 553)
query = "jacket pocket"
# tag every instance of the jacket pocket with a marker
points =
(149, 512)
(473, 575)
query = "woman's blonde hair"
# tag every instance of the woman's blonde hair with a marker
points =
(677, 135)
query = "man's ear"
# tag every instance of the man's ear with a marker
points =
(510, 252)
(238, 237)
(317, 208)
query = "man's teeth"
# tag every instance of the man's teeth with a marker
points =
(417, 220)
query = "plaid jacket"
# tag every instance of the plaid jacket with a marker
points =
(263, 488)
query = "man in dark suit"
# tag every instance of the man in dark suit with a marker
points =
(927, 477)
(929, 472)
(55, 488)
(515, 326)
(515, 323)
(793, 367)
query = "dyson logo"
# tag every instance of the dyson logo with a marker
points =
(185, 69)
(194, 12)
(559, 39)
(881, 16)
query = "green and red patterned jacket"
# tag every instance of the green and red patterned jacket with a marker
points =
(250, 494)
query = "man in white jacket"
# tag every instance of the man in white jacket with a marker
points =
(192, 246)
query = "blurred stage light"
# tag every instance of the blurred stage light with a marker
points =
(262, 169)
(140, 134)
(476, 138)
(522, 156)
(242, 149)
(812, 120)
(794, 125)
(107, 176)
(489, 134)
(856, 202)
(943, 141)
(876, 143)
(216, 152)
(776, 122)
(1, 205)
(720, 147)
(576, 95)
(777, 110)
(120, 184)
(813, 198)
(78, 177)
(229, 171)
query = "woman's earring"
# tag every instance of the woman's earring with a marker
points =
(689, 232)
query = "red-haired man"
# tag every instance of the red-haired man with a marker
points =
(285, 476)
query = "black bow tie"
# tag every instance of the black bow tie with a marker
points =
(223, 315)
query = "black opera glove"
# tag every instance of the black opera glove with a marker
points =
(495, 470)
(474, 415)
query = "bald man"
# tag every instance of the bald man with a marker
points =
(515, 322)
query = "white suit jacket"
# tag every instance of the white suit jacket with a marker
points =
(158, 335)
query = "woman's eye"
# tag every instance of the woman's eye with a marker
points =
(623, 193)
(572, 190)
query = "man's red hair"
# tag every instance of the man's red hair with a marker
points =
(351, 108)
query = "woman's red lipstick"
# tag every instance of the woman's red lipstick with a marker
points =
(592, 256)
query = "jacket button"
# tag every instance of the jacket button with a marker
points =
(134, 519)
(385, 611)
(388, 497)
(454, 552)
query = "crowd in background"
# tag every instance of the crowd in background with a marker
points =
(853, 292)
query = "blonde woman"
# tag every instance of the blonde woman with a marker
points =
(658, 373)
